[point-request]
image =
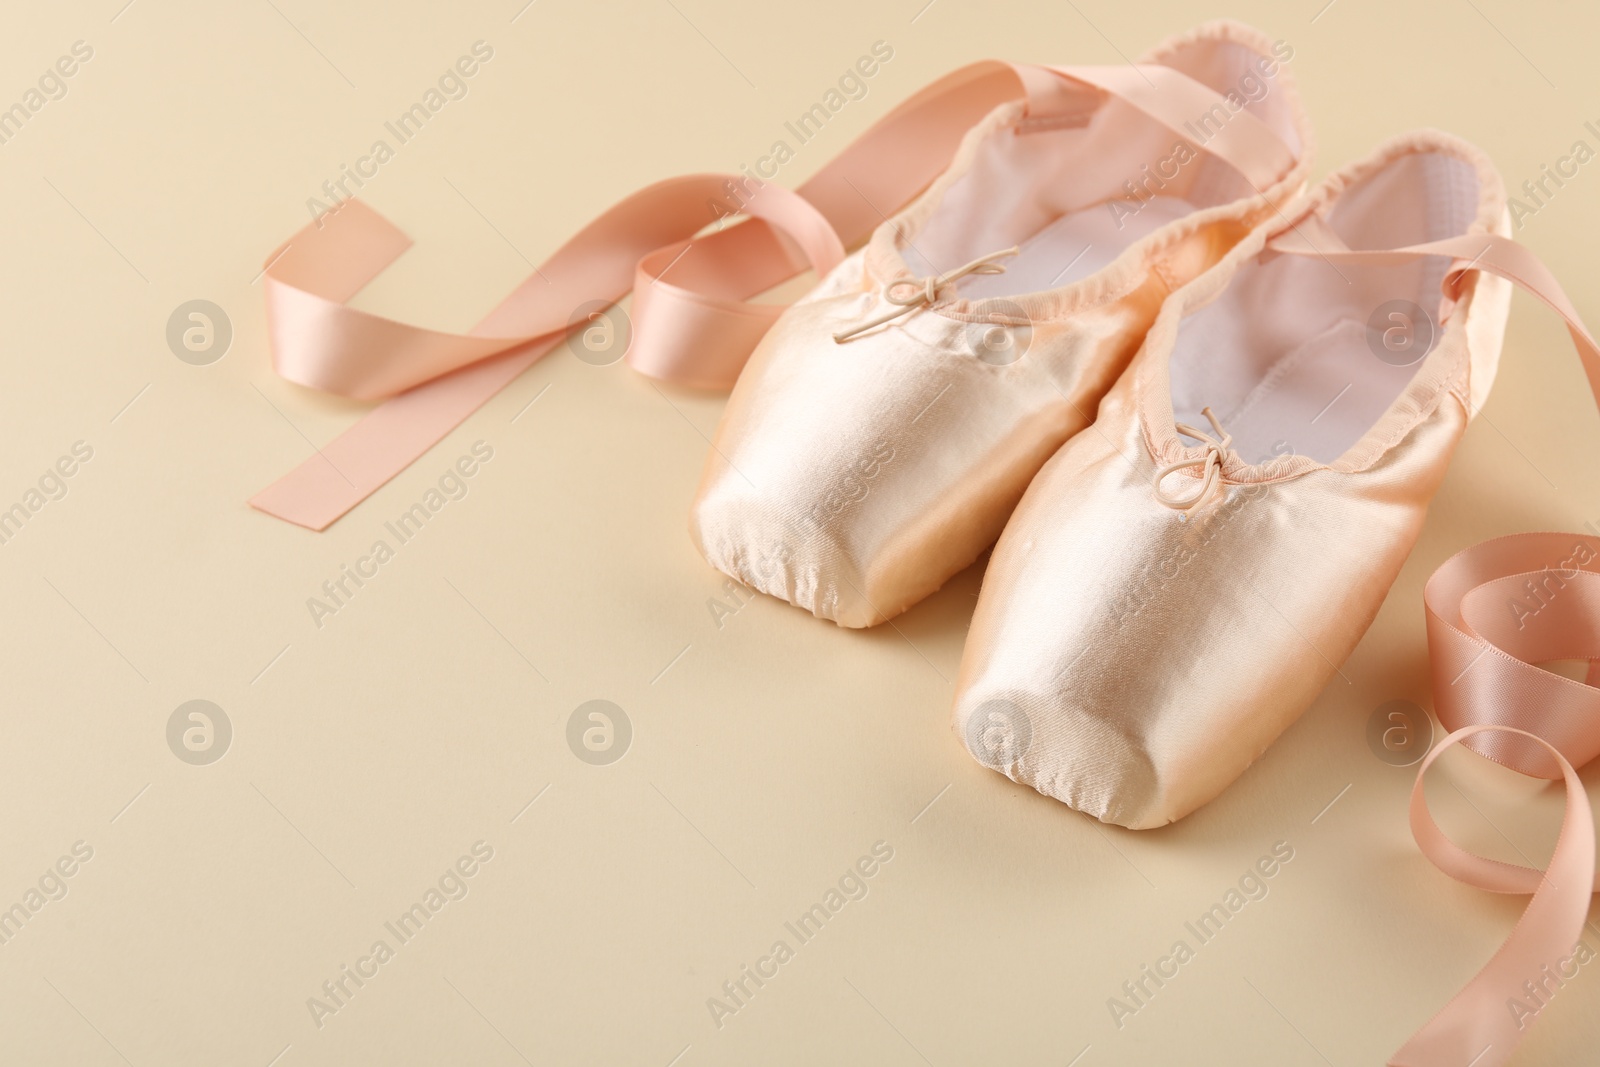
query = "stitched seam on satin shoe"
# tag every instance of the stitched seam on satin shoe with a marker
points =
(1162, 268)
(1072, 120)
(1461, 385)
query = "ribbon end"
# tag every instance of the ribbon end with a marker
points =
(316, 523)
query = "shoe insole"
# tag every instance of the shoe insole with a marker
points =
(1318, 400)
(1072, 247)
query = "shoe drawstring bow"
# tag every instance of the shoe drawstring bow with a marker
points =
(1210, 465)
(923, 291)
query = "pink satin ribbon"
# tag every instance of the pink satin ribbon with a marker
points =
(693, 324)
(1494, 701)
(1493, 611)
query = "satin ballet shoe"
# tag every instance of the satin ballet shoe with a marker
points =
(1179, 583)
(888, 423)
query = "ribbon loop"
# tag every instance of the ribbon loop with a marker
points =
(1494, 700)
(1484, 1022)
(684, 332)
(1493, 612)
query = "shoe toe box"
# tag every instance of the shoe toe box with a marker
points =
(1131, 661)
(853, 479)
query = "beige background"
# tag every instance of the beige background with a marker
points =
(768, 753)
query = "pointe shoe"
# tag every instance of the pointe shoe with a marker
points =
(1178, 584)
(888, 423)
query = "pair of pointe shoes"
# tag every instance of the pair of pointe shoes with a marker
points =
(1129, 346)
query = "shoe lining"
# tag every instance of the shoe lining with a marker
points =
(1289, 355)
(1042, 189)
(1074, 246)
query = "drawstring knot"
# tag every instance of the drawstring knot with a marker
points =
(1210, 464)
(924, 292)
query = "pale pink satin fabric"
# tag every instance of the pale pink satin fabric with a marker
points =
(693, 324)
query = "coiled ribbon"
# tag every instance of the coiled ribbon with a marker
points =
(1494, 611)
